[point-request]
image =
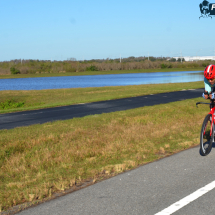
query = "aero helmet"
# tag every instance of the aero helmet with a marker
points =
(209, 72)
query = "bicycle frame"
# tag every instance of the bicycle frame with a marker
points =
(212, 112)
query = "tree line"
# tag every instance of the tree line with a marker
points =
(18, 66)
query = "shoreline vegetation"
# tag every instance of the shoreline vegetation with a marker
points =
(22, 100)
(46, 68)
(39, 161)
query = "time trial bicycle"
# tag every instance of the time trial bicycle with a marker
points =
(207, 131)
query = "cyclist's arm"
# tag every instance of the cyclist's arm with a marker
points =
(207, 92)
(207, 86)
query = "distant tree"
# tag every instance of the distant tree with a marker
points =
(152, 59)
(163, 66)
(180, 59)
(131, 58)
(72, 59)
(14, 71)
(91, 68)
(172, 60)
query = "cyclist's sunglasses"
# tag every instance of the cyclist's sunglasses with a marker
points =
(212, 79)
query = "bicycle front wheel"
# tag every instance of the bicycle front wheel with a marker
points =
(206, 140)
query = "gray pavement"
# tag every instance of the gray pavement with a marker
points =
(146, 190)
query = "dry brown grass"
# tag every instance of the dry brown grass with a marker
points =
(39, 160)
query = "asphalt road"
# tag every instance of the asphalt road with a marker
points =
(26, 118)
(146, 190)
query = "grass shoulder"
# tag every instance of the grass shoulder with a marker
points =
(40, 160)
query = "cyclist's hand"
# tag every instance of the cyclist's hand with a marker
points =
(212, 96)
(205, 95)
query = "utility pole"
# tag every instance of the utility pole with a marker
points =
(148, 56)
(120, 58)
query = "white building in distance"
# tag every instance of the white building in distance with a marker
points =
(196, 58)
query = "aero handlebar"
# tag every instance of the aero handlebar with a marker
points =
(202, 103)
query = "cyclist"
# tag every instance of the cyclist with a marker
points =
(209, 81)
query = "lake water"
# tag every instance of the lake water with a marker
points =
(100, 80)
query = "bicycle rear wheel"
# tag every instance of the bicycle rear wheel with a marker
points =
(206, 140)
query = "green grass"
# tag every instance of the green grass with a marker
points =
(38, 160)
(37, 99)
(100, 72)
(11, 104)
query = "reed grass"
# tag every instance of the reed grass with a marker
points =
(39, 160)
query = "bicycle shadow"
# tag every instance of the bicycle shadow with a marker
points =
(213, 146)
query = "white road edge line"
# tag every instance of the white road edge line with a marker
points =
(188, 199)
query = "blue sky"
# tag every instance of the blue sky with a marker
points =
(83, 29)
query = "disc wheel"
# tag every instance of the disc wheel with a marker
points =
(206, 140)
